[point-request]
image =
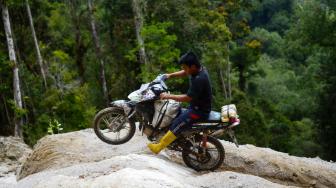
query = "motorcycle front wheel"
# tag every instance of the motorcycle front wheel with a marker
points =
(112, 126)
(200, 156)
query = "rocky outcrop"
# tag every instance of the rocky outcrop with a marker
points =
(279, 167)
(63, 150)
(13, 153)
(139, 170)
(80, 157)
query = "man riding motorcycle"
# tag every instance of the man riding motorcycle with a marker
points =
(199, 96)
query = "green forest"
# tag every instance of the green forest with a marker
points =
(63, 61)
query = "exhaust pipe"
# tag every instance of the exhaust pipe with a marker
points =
(230, 132)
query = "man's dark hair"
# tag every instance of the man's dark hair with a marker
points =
(189, 58)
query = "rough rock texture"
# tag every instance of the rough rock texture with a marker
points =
(53, 153)
(62, 150)
(139, 170)
(279, 167)
(12, 154)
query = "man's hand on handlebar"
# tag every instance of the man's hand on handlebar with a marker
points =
(162, 77)
(177, 74)
(179, 98)
(167, 76)
(164, 96)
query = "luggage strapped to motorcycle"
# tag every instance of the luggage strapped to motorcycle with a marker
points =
(159, 119)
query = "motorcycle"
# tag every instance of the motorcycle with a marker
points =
(200, 148)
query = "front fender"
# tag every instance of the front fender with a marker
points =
(122, 104)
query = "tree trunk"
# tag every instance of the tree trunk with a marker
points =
(39, 56)
(223, 82)
(80, 47)
(6, 109)
(241, 81)
(80, 50)
(31, 117)
(228, 72)
(16, 80)
(98, 53)
(138, 21)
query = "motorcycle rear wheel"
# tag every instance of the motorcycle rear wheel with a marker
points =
(113, 121)
(201, 158)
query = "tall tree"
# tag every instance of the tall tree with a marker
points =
(39, 56)
(318, 23)
(81, 46)
(138, 6)
(244, 57)
(98, 52)
(12, 57)
(228, 73)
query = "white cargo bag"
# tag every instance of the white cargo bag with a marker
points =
(229, 111)
(165, 110)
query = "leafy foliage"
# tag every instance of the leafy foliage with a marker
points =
(54, 127)
(274, 59)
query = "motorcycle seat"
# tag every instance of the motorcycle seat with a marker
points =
(214, 117)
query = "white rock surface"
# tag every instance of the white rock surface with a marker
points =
(80, 159)
(13, 153)
(62, 150)
(279, 167)
(138, 170)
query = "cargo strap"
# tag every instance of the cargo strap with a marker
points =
(159, 119)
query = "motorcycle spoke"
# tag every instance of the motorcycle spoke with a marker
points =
(105, 121)
(196, 162)
(109, 121)
(200, 157)
(115, 119)
(118, 136)
(212, 149)
(114, 126)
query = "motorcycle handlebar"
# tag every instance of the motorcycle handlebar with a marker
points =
(160, 80)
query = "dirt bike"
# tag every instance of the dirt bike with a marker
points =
(200, 148)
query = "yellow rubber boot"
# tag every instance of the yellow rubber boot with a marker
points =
(167, 139)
